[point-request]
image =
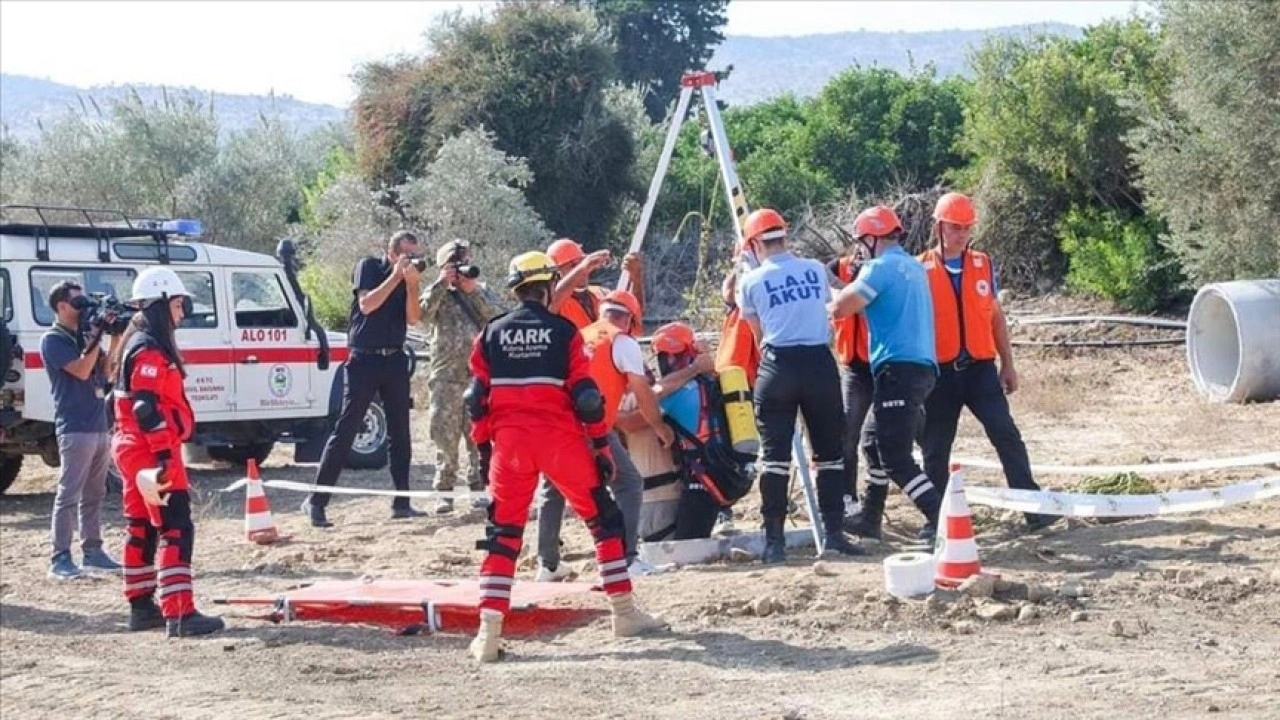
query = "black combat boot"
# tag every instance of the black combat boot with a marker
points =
(194, 624)
(866, 523)
(834, 539)
(775, 541)
(144, 614)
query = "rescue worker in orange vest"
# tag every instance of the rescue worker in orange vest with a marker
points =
(892, 292)
(575, 297)
(535, 409)
(853, 350)
(971, 332)
(617, 366)
(738, 346)
(784, 302)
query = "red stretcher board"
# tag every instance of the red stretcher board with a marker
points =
(413, 605)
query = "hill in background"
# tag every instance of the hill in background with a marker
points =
(24, 100)
(763, 67)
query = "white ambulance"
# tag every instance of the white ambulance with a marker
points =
(260, 369)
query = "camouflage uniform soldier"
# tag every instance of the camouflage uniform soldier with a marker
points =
(454, 308)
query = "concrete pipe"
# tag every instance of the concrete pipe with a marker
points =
(1233, 341)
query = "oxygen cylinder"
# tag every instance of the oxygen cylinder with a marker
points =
(739, 414)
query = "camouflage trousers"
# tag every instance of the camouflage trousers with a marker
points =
(449, 428)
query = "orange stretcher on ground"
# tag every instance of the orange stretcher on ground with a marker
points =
(413, 606)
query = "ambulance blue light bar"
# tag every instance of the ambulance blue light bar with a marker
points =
(188, 228)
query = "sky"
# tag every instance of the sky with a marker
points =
(308, 49)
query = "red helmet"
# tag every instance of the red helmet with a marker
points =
(623, 301)
(673, 339)
(764, 225)
(956, 209)
(876, 221)
(565, 251)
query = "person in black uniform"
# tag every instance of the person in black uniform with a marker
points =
(384, 305)
(784, 302)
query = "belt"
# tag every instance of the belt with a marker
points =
(384, 352)
(959, 365)
(657, 481)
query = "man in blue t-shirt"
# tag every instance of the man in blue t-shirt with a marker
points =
(73, 361)
(784, 302)
(893, 292)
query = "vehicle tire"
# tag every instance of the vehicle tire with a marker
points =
(240, 455)
(9, 467)
(369, 450)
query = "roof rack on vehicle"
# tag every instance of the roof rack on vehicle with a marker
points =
(116, 224)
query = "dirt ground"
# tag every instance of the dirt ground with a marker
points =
(1175, 617)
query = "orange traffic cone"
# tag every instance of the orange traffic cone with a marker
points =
(957, 557)
(259, 526)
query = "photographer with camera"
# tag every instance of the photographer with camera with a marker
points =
(384, 303)
(72, 355)
(454, 309)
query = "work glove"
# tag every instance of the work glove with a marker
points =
(605, 466)
(485, 452)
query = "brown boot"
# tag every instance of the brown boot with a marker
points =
(485, 647)
(628, 620)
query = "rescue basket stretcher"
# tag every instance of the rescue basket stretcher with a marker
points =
(412, 606)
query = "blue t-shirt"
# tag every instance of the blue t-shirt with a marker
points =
(77, 404)
(955, 269)
(789, 296)
(684, 406)
(899, 309)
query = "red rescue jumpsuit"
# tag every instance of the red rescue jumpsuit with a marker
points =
(528, 365)
(148, 374)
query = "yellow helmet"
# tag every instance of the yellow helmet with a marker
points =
(530, 267)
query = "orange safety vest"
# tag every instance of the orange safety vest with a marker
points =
(852, 339)
(962, 319)
(582, 307)
(598, 339)
(738, 346)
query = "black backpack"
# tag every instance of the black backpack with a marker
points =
(721, 469)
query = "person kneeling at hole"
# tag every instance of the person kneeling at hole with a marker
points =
(535, 409)
(676, 504)
(153, 419)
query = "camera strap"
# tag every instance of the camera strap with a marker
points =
(467, 309)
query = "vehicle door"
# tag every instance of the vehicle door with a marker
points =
(204, 339)
(272, 357)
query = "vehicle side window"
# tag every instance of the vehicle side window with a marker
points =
(260, 301)
(7, 314)
(203, 300)
(116, 282)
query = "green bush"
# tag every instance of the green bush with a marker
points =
(329, 288)
(1119, 259)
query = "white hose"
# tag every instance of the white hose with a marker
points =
(1083, 505)
(1258, 460)
(1109, 319)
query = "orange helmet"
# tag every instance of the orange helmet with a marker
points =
(764, 225)
(956, 209)
(673, 339)
(565, 251)
(623, 301)
(876, 221)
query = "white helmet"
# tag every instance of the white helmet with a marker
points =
(157, 283)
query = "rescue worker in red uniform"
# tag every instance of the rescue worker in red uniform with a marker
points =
(535, 409)
(971, 332)
(153, 419)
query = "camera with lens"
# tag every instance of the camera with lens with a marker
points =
(465, 270)
(419, 264)
(102, 313)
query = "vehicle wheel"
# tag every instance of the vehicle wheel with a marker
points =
(369, 451)
(9, 467)
(241, 454)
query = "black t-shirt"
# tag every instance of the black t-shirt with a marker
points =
(385, 328)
